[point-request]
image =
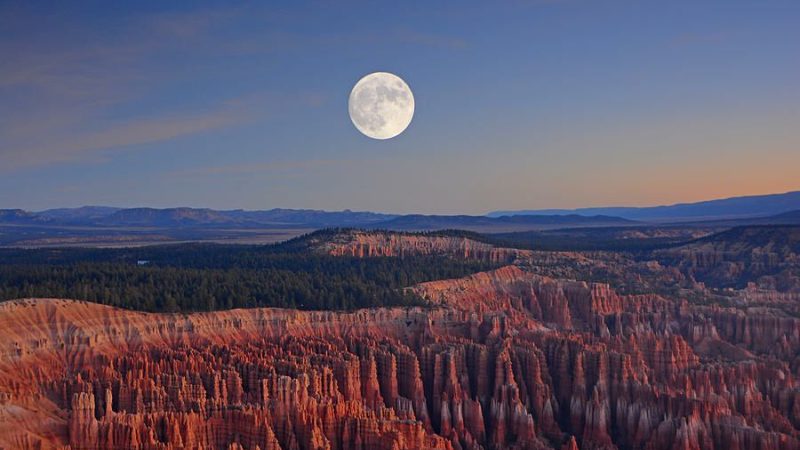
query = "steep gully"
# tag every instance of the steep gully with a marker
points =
(504, 360)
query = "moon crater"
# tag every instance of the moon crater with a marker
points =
(381, 105)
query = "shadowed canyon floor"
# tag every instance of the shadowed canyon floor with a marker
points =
(521, 357)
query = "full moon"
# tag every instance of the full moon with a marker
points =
(381, 105)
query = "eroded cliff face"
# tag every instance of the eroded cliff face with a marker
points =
(768, 257)
(369, 244)
(506, 359)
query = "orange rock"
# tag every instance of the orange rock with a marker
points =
(506, 360)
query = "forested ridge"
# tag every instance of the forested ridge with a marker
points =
(207, 277)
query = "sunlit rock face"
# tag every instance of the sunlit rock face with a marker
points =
(505, 359)
(371, 244)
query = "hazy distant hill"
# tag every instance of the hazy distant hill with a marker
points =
(190, 217)
(311, 217)
(787, 218)
(792, 217)
(16, 216)
(239, 218)
(729, 208)
(82, 214)
(103, 225)
(169, 217)
(98, 216)
(417, 222)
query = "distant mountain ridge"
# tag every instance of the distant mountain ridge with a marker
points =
(790, 216)
(419, 222)
(79, 214)
(182, 217)
(728, 208)
(16, 215)
(763, 209)
(189, 217)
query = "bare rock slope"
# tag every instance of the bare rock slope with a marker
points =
(506, 359)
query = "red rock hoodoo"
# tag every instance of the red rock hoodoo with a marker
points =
(506, 359)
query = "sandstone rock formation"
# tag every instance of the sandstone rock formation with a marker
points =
(369, 244)
(506, 359)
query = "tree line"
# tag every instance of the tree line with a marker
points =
(203, 277)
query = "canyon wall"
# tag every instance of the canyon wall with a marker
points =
(505, 359)
(370, 244)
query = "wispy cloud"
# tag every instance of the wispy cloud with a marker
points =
(96, 143)
(82, 96)
(73, 94)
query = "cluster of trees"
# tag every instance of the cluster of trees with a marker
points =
(211, 277)
(582, 240)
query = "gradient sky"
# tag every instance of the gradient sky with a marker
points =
(519, 104)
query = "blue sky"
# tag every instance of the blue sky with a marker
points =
(519, 104)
